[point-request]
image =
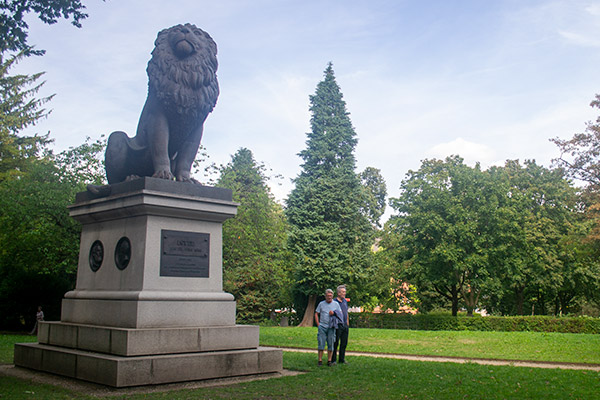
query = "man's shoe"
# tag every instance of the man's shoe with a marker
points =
(343, 362)
(320, 363)
(329, 363)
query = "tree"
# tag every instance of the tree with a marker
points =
(14, 28)
(580, 158)
(446, 212)
(255, 261)
(329, 235)
(39, 242)
(19, 110)
(539, 246)
(375, 194)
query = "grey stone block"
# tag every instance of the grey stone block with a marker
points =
(135, 342)
(120, 371)
(63, 335)
(94, 338)
(148, 314)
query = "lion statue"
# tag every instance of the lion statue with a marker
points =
(182, 91)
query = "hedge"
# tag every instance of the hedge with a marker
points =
(434, 322)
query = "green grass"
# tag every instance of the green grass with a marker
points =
(535, 346)
(368, 378)
(375, 378)
(7, 345)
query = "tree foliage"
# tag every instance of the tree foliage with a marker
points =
(330, 236)
(580, 154)
(255, 260)
(580, 158)
(39, 242)
(14, 28)
(445, 213)
(375, 194)
(19, 109)
(508, 238)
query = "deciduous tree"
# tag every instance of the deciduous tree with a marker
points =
(255, 259)
(39, 242)
(445, 217)
(14, 28)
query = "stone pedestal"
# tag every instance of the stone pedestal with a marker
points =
(149, 305)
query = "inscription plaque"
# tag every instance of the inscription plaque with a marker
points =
(184, 254)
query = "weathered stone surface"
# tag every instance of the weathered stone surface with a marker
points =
(120, 371)
(136, 342)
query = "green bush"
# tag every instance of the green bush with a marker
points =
(438, 322)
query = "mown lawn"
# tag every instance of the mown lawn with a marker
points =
(7, 345)
(534, 346)
(362, 378)
(367, 378)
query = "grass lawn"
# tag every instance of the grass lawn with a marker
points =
(7, 345)
(363, 378)
(368, 378)
(534, 346)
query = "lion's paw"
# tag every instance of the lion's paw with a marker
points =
(187, 178)
(164, 174)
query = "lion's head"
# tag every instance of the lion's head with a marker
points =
(182, 71)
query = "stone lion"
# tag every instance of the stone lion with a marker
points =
(182, 91)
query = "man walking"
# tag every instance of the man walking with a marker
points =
(341, 337)
(326, 333)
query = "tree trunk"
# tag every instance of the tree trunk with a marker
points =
(520, 299)
(454, 290)
(471, 300)
(309, 313)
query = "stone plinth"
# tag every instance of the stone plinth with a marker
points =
(149, 306)
(120, 371)
(141, 295)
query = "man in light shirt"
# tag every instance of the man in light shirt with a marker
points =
(326, 332)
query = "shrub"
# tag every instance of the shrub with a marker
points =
(439, 322)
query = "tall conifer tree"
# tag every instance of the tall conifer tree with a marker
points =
(329, 235)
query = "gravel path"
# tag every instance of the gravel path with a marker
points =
(459, 360)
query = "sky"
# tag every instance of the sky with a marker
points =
(487, 80)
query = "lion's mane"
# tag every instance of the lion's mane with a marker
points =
(187, 86)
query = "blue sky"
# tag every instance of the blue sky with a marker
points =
(488, 80)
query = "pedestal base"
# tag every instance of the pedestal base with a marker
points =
(118, 371)
(216, 309)
(141, 342)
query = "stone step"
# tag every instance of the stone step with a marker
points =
(118, 371)
(137, 342)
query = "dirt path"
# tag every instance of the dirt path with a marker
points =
(459, 360)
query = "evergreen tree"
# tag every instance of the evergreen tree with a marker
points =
(329, 235)
(18, 110)
(254, 242)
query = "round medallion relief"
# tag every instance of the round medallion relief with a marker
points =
(96, 255)
(123, 253)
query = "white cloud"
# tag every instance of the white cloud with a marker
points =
(579, 39)
(471, 152)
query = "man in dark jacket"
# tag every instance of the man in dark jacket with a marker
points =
(342, 331)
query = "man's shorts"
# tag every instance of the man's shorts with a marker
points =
(325, 335)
